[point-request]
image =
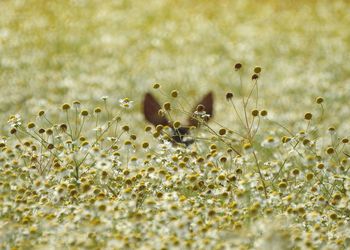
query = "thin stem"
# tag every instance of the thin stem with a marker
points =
(106, 108)
(234, 107)
(250, 93)
(260, 174)
(69, 126)
(81, 126)
(76, 121)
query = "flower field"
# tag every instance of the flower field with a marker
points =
(262, 162)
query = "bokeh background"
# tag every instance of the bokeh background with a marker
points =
(58, 51)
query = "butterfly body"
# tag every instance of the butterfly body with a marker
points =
(179, 135)
(151, 109)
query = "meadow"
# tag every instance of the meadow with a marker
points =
(81, 168)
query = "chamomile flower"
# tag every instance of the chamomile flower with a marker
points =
(126, 103)
(15, 121)
(270, 142)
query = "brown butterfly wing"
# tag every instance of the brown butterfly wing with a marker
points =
(150, 110)
(207, 102)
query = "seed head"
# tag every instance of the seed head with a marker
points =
(263, 112)
(330, 150)
(200, 108)
(156, 85)
(126, 128)
(333, 216)
(255, 76)
(331, 130)
(174, 93)
(222, 131)
(255, 112)
(306, 142)
(319, 100)
(176, 124)
(159, 128)
(31, 125)
(63, 127)
(229, 96)
(320, 166)
(238, 66)
(295, 171)
(65, 106)
(127, 143)
(309, 176)
(161, 113)
(282, 185)
(223, 159)
(76, 104)
(84, 113)
(41, 113)
(167, 106)
(257, 69)
(97, 110)
(308, 116)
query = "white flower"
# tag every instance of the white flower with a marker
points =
(248, 148)
(126, 103)
(202, 114)
(100, 128)
(270, 142)
(104, 165)
(15, 121)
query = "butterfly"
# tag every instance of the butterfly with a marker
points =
(179, 135)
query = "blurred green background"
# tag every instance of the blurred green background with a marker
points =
(53, 52)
